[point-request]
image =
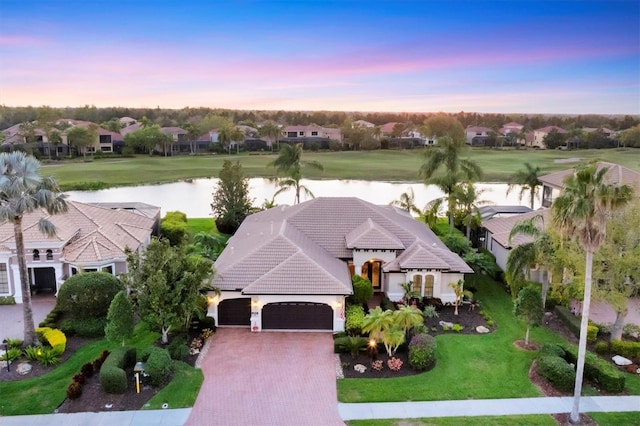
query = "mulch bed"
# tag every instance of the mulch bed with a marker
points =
(467, 317)
(93, 398)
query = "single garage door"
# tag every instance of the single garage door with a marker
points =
(235, 311)
(297, 316)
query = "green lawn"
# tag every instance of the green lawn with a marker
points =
(183, 389)
(204, 224)
(382, 165)
(468, 366)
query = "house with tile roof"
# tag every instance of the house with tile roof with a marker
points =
(290, 267)
(539, 134)
(477, 135)
(88, 238)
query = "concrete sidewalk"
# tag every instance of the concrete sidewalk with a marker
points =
(486, 407)
(176, 417)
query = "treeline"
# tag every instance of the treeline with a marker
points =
(10, 116)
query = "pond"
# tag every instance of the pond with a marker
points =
(194, 197)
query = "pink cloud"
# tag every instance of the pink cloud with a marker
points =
(19, 40)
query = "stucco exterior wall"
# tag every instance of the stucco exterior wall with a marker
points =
(441, 288)
(360, 257)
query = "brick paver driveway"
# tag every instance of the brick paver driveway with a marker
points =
(273, 379)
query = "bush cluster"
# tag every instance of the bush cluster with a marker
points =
(88, 327)
(569, 319)
(362, 289)
(597, 370)
(629, 350)
(354, 319)
(592, 333)
(159, 366)
(113, 378)
(557, 371)
(422, 352)
(7, 300)
(350, 344)
(178, 348)
(174, 227)
(51, 319)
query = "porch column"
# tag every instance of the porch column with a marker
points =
(15, 281)
(59, 276)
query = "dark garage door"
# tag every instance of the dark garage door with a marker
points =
(235, 311)
(297, 316)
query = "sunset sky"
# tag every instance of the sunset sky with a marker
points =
(566, 56)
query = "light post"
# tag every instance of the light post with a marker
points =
(5, 342)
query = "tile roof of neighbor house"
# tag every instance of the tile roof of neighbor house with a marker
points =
(500, 227)
(548, 129)
(488, 212)
(270, 246)
(616, 174)
(388, 127)
(478, 129)
(88, 232)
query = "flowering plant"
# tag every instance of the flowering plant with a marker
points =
(394, 364)
(377, 365)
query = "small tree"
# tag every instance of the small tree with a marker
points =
(231, 202)
(460, 292)
(119, 318)
(362, 289)
(528, 307)
(408, 317)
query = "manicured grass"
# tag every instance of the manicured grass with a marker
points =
(43, 394)
(530, 420)
(616, 419)
(183, 389)
(468, 366)
(382, 165)
(196, 225)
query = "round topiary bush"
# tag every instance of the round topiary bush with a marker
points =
(422, 352)
(158, 366)
(113, 379)
(88, 295)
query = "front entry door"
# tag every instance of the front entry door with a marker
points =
(373, 270)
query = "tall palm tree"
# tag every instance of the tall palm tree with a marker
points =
(290, 164)
(272, 131)
(446, 155)
(527, 180)
(23, 190)
(407, 202)
(580, 212)
(467, 199)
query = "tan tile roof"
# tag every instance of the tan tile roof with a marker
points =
(501, 227)
(90, 233)
(301, 249)
(616, 174)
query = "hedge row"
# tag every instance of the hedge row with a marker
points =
(557, 371)
(629, 350)
(597, 369)
(570, 320)
(113, 378)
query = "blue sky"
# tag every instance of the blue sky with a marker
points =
(566, 56)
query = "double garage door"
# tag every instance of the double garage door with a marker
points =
(277, 316)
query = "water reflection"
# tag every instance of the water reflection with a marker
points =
(194, 198)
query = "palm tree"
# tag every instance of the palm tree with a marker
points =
(580, 212)
(407, 202)
(23, 190)
(407, 317)
(237, 136)
(272, 131)
(431, 212)
(527, 180)
(447, 155)
(376, 322)
(460, 292)
(290, 163)
(467, 199)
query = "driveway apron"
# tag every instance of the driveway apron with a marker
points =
(269, 378)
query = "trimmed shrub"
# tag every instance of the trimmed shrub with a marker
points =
(87, 370)
(592, 333)
(89, 327)
(598, 370)
(174, 227)
(629, 350)
(79, 378)
(51, 319)
(7, 300)
(557, 371)
(550, 349)
(601, 348)
(113, 379)
(207, 322)
(362, 289)
(422, 352)
(119, 318)
(88, 295)
(354, 319)
(158, 366)
(54, 337)
(74, 390)
(178, 348)
(570, 320)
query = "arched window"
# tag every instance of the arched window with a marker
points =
(428, 286)
(49, 254)
(417, 285)
(36, 254)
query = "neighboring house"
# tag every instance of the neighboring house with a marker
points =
(511, 127)
(311, 134)
(477, 135)
(493, 211)
(387, 129)
(290, 267)
(363, 123)
(88, 238)
(553, 183)
(496, 234)
(611, 134)
(540, 134)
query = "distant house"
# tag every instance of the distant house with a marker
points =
(477, 135)
(362, 123)
(307, 135)
(540, 134)
(511, 127)
(291, 267)
(88, 238)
